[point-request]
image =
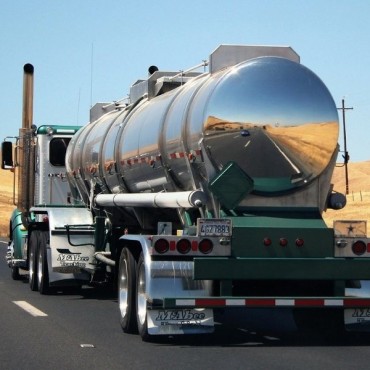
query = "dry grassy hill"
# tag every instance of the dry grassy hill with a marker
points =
(6, 200)
(358, 200)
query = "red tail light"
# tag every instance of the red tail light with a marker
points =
(299, 242)
(359, 247)
(183, 246)
(283, 242)
(267, 242)
(161, 246)
(205, 246)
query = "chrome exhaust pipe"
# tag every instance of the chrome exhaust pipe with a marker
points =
(27, 116)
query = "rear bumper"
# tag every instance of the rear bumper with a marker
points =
(281, 269)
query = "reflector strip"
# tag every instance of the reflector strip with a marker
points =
(260, 302)
(310, 302)
(334, 302)
(235, 302)
(211, 302)
(177, 155)
(356, 302)
(152, 159)
(272, 302)
(284, 302)
(172, 245)
(185, 302)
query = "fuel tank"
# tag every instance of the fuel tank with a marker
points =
(269, 116)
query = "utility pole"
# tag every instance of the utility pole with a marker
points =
(346, 155)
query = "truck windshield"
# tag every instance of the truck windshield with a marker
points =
(57, 151)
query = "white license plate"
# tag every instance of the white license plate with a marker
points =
(214, 227)
(356, 315)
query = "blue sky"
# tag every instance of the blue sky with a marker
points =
(85, 51)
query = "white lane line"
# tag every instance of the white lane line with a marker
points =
(29, 308)
(247, 144)
(295, 168)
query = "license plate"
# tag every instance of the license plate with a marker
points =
(214, 227)
(357, 315)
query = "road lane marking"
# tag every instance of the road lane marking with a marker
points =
(247, 144)
(295, 168)
(29, 308)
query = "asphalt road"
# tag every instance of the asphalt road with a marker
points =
(81, 331)
(257, 154)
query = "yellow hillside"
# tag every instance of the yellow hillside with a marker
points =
(358, 199)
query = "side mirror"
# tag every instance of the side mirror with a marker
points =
(7, 155)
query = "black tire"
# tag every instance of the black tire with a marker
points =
(141, 302)
(127, 291)
(42, 264)
(32, 260)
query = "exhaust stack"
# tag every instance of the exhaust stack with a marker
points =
(26, 145)
(27, 116)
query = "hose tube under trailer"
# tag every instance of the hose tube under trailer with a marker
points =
(184, 199)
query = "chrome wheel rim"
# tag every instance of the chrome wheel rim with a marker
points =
(31, 267)
(123, 288)
(39, 265)
(141, 295)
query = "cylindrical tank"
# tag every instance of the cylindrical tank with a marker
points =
(272, 117)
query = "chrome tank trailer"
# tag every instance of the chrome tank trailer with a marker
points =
(259, 129)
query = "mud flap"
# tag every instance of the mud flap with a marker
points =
(357, 319)
(180, 321)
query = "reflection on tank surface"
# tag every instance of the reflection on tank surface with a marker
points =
(279, 125)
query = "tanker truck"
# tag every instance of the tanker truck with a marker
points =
(200, 193)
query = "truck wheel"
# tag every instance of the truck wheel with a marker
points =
(141, 304)
(127, 291)
(42, 266)
(32, 256)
